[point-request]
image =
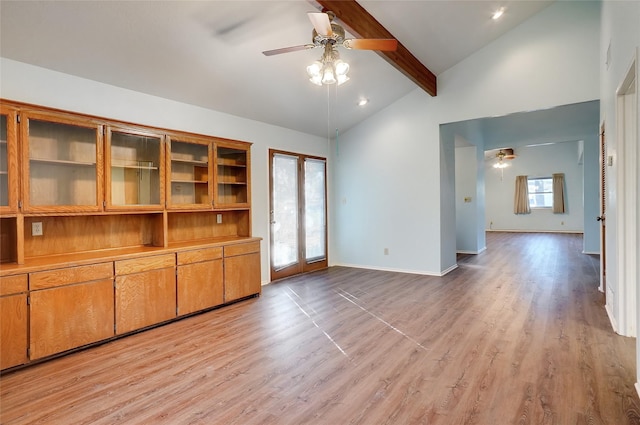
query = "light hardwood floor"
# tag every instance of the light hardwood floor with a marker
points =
(515, 335)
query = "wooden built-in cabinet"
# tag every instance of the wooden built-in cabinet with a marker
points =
(135, 169)
(233, 175)
(61, 163)
(10, 223)
(241, 270)
(13, 321)
(189, 173)
(200, 279)
(111, 227)
(69, 308)
(145, 292)
(8, 160)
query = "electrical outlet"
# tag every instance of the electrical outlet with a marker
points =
(36, 229)
(219, 218)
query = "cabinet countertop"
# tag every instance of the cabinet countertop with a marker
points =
(78, 259)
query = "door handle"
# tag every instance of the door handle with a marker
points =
(600, 218)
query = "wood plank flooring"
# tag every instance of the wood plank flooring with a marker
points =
(515, 335)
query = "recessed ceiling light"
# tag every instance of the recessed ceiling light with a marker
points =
(363, 102)
(497, 14)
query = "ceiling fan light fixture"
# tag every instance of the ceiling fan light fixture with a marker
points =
(342, 79)
(328, 74)
(314, 71)
(341, 67)
(330, 69)
(317, 80)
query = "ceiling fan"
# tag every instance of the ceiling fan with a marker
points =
(329, 35)
(501, 155)
(326, 32)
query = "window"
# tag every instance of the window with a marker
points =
(540, 192)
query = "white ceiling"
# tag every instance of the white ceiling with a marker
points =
(208, 53)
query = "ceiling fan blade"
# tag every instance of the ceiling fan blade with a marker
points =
(321, 23)
(288, 49)
(382, 44)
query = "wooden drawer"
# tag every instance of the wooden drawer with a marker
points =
(69, 275)
(13, 284)
(199, 255)
(138, 265)
(241, 249)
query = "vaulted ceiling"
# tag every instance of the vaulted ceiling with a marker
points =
(209, 53)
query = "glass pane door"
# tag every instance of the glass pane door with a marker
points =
(62, 164)
(284, 212)
(135, 169)
(298, 214)
(4, 163)
(315, 226)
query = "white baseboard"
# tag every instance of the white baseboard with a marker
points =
(471, 252)
(534, 231)
(391, 269)
(614, 325)
(591, 253)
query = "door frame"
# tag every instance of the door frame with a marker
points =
(603, 211)
(302, 266)
(626, 237)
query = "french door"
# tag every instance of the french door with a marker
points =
(298, 200)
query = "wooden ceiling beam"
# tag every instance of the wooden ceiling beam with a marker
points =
(361, 24)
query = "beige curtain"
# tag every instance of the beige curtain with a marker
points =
(558, 193)
(521, 200)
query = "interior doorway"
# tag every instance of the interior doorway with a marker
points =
(298, 200)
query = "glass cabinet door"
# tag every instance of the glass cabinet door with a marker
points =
(134, 170)
(8, 161)
(63, 164)
(232, 175)
(189, 174)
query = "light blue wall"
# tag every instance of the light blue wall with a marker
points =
(409, 204)
(467, 220)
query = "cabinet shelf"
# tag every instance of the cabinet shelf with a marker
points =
(234, 183)
(190, 181)
(230, 163)
(63, 162)
(134, 167)
(190, 161)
